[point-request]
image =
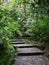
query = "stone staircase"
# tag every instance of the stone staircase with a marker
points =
(26, 49)
(28, 54)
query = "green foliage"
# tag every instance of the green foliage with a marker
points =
(6, 28)
(39, 29)
(6, 52)
(9, 28)
(20, 12)
(22, 16)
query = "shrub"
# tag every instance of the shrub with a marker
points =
(6, 52)
(6, 49)
(39, 29)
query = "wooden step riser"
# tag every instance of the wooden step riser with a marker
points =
(29, 54)
(24, 46)
(17, 42)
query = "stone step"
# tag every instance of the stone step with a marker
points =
(31, 60)
(29, 51)
(23, 45)
(17, 42)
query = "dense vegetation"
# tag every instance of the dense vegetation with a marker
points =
(19, 17)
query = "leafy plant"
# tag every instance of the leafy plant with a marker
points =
(39, 29)
(6, 49)
(6, 52)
